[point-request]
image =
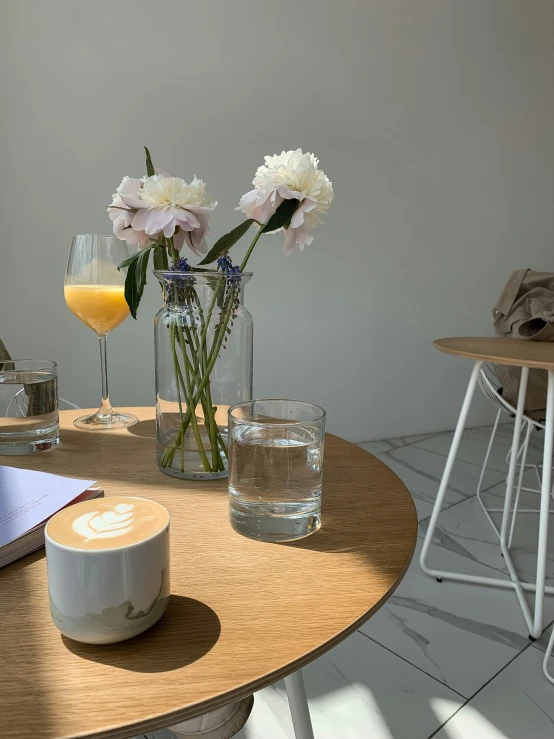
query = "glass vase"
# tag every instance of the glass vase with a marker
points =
(203, 345)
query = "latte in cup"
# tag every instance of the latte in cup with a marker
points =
(108, 523)
(108, 568)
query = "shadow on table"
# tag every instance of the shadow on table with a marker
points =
(144, 429)
(188, 630)
(329, 538)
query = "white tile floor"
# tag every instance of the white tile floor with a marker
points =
(443, 660)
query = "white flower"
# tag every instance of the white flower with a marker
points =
(126, 201)
(142, 209)
(291, 174)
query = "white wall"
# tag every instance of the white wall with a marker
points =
(433, 118)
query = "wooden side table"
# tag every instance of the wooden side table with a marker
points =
(242, 613)
(524, 354)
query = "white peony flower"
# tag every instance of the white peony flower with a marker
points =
(161, 204)
(291, 174)
(126, 201)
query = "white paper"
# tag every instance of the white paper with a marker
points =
(27, 498)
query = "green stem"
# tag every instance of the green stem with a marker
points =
(216, 347)
(203, 366)
(199, 357)
(189, 395)
(205, 399)
(210, 410)
(176, 369)
(250, 249)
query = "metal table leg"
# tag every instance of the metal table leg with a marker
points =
(296, 693)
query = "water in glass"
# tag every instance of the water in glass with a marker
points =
(275, 477)
(28, 407)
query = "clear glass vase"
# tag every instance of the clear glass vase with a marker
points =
(203, 343)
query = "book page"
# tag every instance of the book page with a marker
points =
(27, 498)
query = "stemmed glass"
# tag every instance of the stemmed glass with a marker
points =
(94, 292)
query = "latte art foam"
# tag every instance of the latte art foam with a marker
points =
(108, 523)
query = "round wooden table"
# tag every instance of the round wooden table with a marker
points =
(242, 613)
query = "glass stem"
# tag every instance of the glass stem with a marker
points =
(105, 405)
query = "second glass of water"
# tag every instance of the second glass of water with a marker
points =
(28, 406)
(275, 468)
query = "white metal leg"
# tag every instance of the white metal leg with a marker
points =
(522, 460)
(298, 703)
(547, 656)
(522, 457)
(545, 506)
(534, 621)
(508, 504)
(543, 532)
(486, 461)
(448, 470)
(520, 481)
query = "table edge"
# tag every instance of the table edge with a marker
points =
(487, 357)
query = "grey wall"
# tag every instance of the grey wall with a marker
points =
(433, 118)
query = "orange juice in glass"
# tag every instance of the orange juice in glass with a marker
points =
(94, 291)
(100, 307)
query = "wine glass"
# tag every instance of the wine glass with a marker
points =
(94, 291)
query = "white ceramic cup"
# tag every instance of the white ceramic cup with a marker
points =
(109, 594)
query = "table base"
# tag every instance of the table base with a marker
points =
(220, 724)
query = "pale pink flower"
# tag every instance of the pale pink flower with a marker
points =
(124, 205)
(285, 176)
(144, 209)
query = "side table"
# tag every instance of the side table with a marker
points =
(517, 353)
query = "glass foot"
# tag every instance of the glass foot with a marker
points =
(105, 421)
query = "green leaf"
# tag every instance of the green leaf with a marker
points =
(226, 242)
(131, 297)
(160, 258)
(136, 279)
(140, 271)
(282, 216)
(128, 261)
(149, 166)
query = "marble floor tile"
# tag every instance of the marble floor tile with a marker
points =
(465, 531)
(473, 447)
(377, 447)
(395, 443)
(441, 627)
(407, 440)
(529, 498)
(517, 704)
(354, 692)
(421, 472)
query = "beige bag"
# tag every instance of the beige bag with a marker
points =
(525, 310)
(3, 351)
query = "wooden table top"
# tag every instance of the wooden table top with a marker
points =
(514, 352)
(242, 613)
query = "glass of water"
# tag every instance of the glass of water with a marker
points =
(275, 468)
(28, 406)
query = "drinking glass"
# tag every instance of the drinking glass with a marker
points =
(275, 468)
(94, 291)
(28, 406)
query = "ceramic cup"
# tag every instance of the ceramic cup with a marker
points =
(108, 568)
